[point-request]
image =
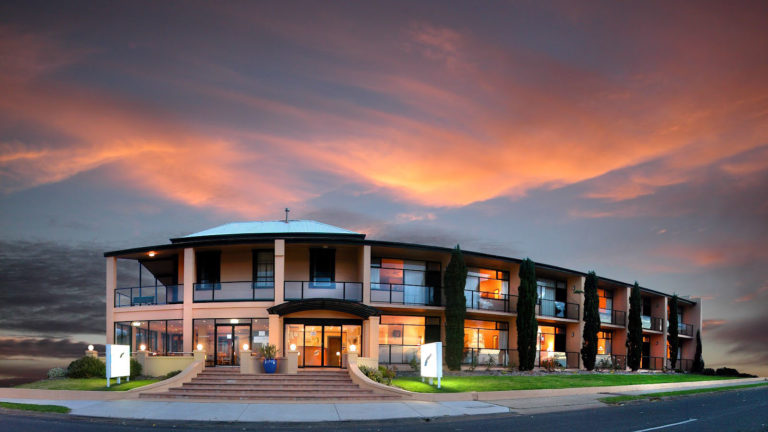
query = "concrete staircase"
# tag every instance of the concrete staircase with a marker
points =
(308, 385)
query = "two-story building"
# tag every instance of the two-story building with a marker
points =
(324, 291)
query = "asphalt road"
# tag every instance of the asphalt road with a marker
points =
(744, 410)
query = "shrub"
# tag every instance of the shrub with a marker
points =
(171, 374)
(57, 372)
(491, 363)
(708, 372)
(729, 372)
(415, 364)
(387, 373)
(135, 368)
(454, 281)
(591, 322)
(549, 364)
(527, 325)
(87, 367)
(603, 364)
(377, 375)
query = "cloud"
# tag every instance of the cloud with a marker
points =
(753, 295)
(745, 338)
(43, 347)
(712, 324)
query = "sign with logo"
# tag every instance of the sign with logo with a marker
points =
(118, 361)
(432, 361)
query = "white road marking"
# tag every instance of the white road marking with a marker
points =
(666, 426)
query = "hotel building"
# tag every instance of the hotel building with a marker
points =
(325, 291)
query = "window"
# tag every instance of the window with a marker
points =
(605, 300)
(485, 334)
(263, 269)
(405, 281)
(647, 306)
(401, 336)
(163, 337)
(208, 266)
(552, 296)
(551, 339)
(490, 283)
(322, 265)
(604, 342)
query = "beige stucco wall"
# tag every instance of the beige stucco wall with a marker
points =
(236, 264)
(111, 285)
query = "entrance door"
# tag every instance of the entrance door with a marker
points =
(230, 339)
(646, 352)
(322, 342)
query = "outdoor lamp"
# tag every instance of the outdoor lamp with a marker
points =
(90, 347)
(199, 347)
(142, 347)
(293, 347)
(353, 348)
(151, 253)
(245, 347)
(338, 353)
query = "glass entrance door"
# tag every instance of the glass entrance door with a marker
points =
(323, 343)
(230, 339)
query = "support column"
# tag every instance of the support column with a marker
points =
(279, 273)
(276, 331)
(372, 342)
(365, 272)
(111, 286)
(189, 297)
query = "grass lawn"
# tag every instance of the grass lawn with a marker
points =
(32, 407)
(627, 398)
(458, 384)
(97, 384)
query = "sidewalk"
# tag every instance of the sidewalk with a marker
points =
(518, 402)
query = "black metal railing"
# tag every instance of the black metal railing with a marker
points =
(403, 294)
(685, 329)
(615, 317)
(300, 290)
(651, 323)
(398, 354)
(611, 361)
(682, 364)
(557, 309)
(652, 363)
(487, 357)
(263, 290)
(570, 360)
(489, 301)
(149, 295)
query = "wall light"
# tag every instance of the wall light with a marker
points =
(199, 347)
(338, 353)
(353, 348)
(234, 321)
(142, 347)
(136, 323)
(245, 347)
(151, 253)
(90, 347)
(293, 347)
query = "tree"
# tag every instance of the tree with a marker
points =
(674, 340)
(455, 309)
(591, 321)
(527, 325)
(698, 361)
(635, 329)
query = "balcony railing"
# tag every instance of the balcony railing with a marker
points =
(149, 295)
(398, 354)
(570, 360)
(234, 291)
(403, 294)
(652, 363)
(685, 329)
(300, 290)
(613, 361)
(651, 323)
(485, 357)
(557, 309)
(682, 364)
(488, 301)
(615, 317)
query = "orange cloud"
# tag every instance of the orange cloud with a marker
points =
(753, 295)
(711, 324)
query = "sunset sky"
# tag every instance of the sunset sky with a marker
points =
(626, 138)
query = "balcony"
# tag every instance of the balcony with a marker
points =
(570, 360)
(614, 317)
(207, 292)
(489, 301)
(652, 363)
(403, 294)
(484, 357)
(685, 329)
(149, 295)
(613, 361)
(301, 290)
(651, 323)
(557, 309)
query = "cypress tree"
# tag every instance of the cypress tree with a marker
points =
(455, 309)
(635, 329)
(591, 321)
(698, 361)
(527, 325)
(674, 340)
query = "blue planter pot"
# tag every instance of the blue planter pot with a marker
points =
(270, 366)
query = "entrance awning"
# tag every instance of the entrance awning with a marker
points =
(350, 307)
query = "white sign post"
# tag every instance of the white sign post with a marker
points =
(118, 362)
(432, 361)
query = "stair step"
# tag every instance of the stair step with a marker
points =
(292, 386)
(267, 396)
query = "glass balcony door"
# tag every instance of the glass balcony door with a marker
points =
(230, 339)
